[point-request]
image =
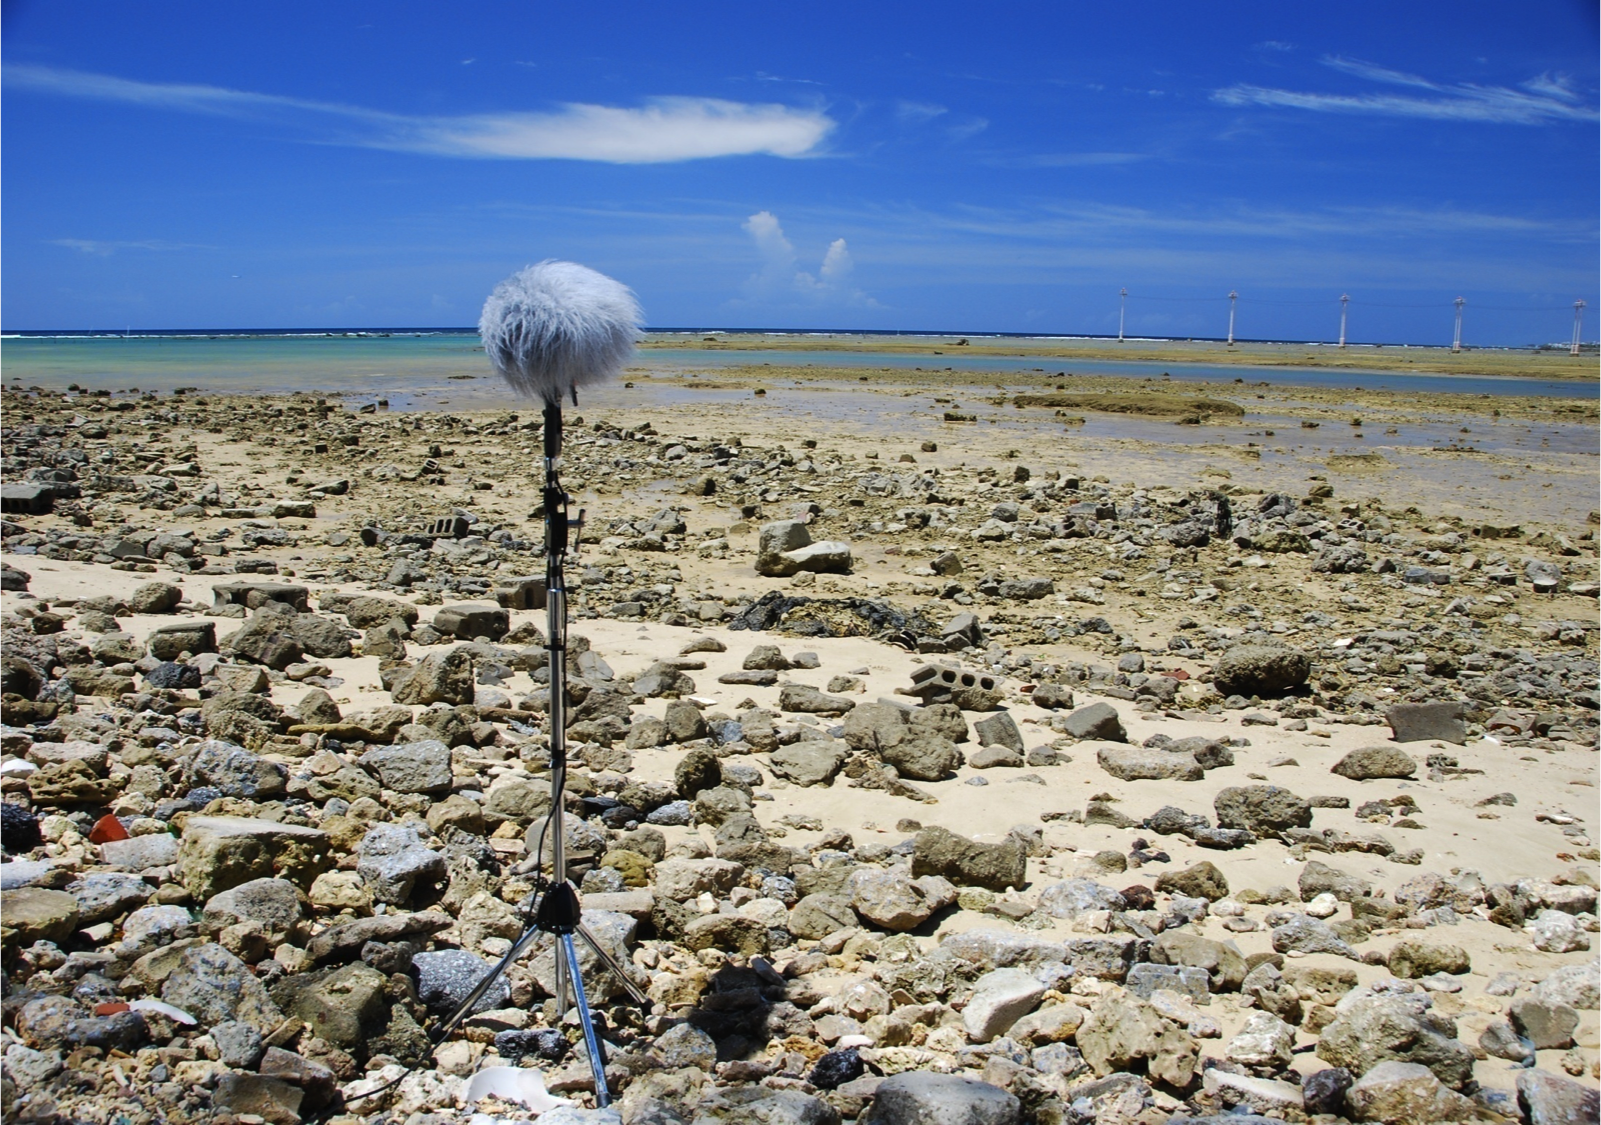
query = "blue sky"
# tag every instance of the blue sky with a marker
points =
(938, 166)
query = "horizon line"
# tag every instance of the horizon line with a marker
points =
(470, 330)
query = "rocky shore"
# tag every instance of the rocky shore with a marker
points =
(917, 782)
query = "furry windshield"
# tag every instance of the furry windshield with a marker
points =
(558, 326)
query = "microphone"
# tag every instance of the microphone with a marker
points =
(557, 326)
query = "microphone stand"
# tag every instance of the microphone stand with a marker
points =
(559, 912)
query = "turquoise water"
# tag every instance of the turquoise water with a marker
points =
(415, 370)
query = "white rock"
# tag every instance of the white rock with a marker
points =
(1324, 905)
(1000, 998)
(1556, 932)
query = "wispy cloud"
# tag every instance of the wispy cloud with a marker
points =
(102, 248)
(662, 130)
(918, 112)
(1070, 159)
(1542, 100)
(780, 280)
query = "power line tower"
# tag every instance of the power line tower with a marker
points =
(1456, 341)
(1345, 299)
(1233, 296)
(1578, 326)
(1122, 308)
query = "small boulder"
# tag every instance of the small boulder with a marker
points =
(1372, 762)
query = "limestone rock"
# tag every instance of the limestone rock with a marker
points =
(411, 767)
(808, 763)
(926, 1098)
(1135, 763)
(967, 863)
(219, 852)
(1369, 1029)
(1261, 670)
(215, 987)
(1371, 762)
(893, 901)
(439, 677)
(1406, 1094)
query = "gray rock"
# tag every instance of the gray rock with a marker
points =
(992, 757)
(102, 896)
(273, 902)
(439, 677)
(1261, 670)
(893, 901)
(925, 1098)
(216, 987)
(445, 978)
(171, 641)
(1323, 1091)
(1577, 986)
(877, 726)
(662, 679)
(260, 1096)
(393, 860)
(1223, 963)
(808, 763)
(155, 597)
(1500, 1039)
(239, 1044)
(1548, 1026)
(999, 730)
(1426, 722)
(1265, 1040)
(1098, 720)
(1549, 1100)
(1370, 762)
(967, 863)
(684, 722)
(1145, 978)
(818, 915)
(218, 852)
(237, 772)
(1406, 1094)
(1261, 809)
(1052, 697)
(346, 1006)
(1000, 998)
(923, 757)
(774, 541)
(473, 621)
(141, 853)
(686, 1045)
(1369, 1029)
(799, 698)
(1305, 934)
(1072, 897)
(1319, 878)
(1134, 763)
(411, 767)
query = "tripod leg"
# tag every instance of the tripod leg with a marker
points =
(563, 978)
(617, 970)
(597, 1060)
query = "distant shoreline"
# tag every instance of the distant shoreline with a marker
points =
(1522, 362)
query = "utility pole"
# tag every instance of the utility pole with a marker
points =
(1233, 296)
(1456, 341)
(1122, 308)
(1345, 299)
(1578, 325)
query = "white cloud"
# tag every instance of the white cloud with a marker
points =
(780, 279)
(918, 112)
(662, 130)
(1542, 101)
